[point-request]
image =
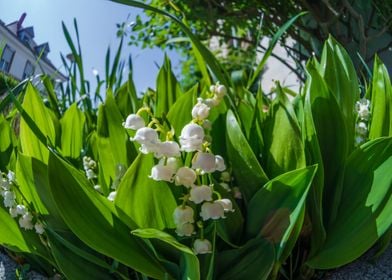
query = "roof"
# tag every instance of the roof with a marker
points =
(43, 59)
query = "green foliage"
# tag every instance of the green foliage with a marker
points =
(304, 194)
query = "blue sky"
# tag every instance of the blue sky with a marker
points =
(97, 27)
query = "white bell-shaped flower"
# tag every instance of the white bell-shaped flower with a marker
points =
(185, 176)
(146, 136)
(167, 149)
(183, 215)
(212, 210)
(25, 221)
(186, 229)
(4, 183)
(220, 91)
(362, 128)
(204, 161)
(202, 246)
(200, 111)
(162, 172)
(9, 199)
(112, 196)
(198, 194)
(21, 209)
(226, 204)
(90, 174)
(134, 122)
(220, 163)
(191, 138)
(363, 109)
(211, 102)
(39, 228)
(11, 176)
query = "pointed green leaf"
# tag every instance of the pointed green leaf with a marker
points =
(72, 126)
(284, 149)
(365, 208)
(182, 107)
(35, 108)
(381, 102)
(252, 261)
(168, 89)
(191, 266)
(95, 220)
(149, 203)
(274, 210)
(340, 76)
(249, 174)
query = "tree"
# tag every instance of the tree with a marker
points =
(363, 27)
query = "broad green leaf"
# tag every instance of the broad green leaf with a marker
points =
(180, 113)
(283, 146)
(75, 263)
(35, 108)
(126, 98)
(112, 137)
(274, 210)
(381, 102)
(72, 126)
(313, 156)
(26, 181)
(168, 89)
(149, 203)
(340, 76)
(364, 212)
(191, 263)
(252, 261)
(96, 221)
(329, 125)
(6, 145)
(249, 174)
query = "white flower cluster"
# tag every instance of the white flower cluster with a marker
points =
(363, 110)
(195, 174)
(89, 166)
(26, 219)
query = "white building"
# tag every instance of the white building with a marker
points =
(21, 56)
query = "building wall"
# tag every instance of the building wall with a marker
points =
(22, 54)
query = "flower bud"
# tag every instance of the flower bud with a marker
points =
(200, 194)
(11, 176)
(204, 161)
(219, 163)
(202, 246)
(13, 212)
(25, 221)
(186, 229)
(185, 176)
(21, 209)
(90, 174)
(191, 138)
(39, 228)
(225, 176)
(167, 149)
(212, 210)
(112, 196)
(200, 111)
(226, 204)
(146, 136)
(134, 122)
(4, 183)
(211, 102)
(183, 215)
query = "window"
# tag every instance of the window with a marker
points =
(6, 59)
(28, 70)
